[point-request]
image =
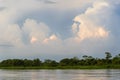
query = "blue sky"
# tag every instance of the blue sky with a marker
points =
(57, 29)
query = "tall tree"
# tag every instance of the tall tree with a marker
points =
(108, 56)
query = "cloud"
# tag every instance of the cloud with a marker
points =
(11, 34)
(15, 12)
(6, 45)
(85, 25)
(33, 40)
(93, 29)
(31, 32)
(51, 38)
(2, 8)
(36, 32)
(50, 1)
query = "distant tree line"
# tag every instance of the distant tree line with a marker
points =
(85, 61)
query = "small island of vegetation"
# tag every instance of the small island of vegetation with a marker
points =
(87, 62)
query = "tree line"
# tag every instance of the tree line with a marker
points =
(85, 61)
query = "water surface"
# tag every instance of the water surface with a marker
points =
(60, 74)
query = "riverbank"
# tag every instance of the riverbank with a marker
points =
(66, 67)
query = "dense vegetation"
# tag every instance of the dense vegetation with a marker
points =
(87, 62)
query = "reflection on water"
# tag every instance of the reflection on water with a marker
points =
(59, 74)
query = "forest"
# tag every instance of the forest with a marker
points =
(87, 62)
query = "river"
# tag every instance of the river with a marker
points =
(105, 74)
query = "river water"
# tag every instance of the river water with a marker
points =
(104, 74)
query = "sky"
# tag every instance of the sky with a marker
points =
(56, 29)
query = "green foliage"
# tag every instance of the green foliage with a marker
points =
(70, 63)
(37, 62)
(108, 55)
(116, 59)
(50, 63)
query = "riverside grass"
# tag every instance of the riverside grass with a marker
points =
(66, 67)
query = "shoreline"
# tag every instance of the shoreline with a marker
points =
(66, 67)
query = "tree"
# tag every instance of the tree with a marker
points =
(74, 61)
(37, 62)
(18, 62)
(28, 62)
(54, 63)
(116, 59)
(85, 57)
(65, 62)
(108, 56)
(50, 63)
(7, 63)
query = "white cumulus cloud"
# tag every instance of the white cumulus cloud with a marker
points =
(86, 25)
(35, 31)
